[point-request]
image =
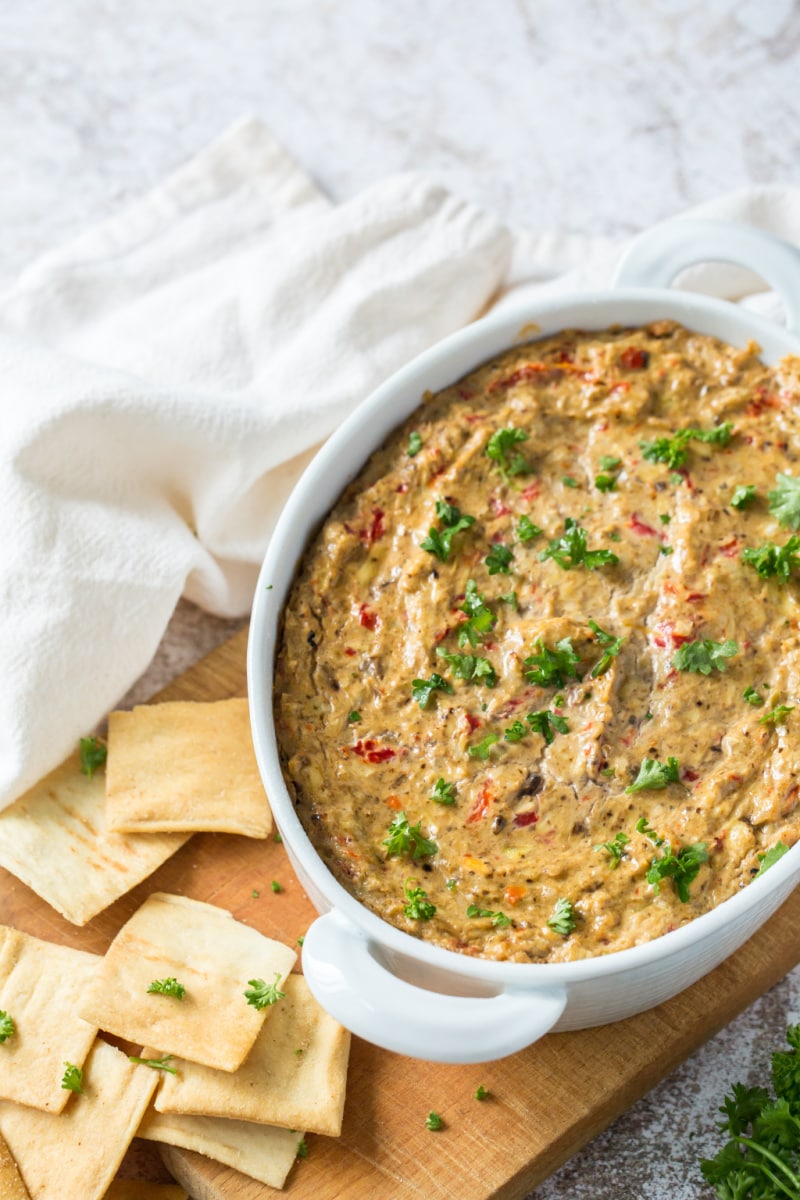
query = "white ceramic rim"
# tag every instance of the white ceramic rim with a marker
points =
(432, 371)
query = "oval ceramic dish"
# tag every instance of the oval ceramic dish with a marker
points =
(383, 984)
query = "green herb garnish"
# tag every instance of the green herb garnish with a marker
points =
(499, 448)
(570, 550)
(422, 689)
(7, 1026)
(777, 716)
(167, 987)
(157, 1064)
(704, 656)
(443, 793)
(510, 598)
(276, 887)
(611, 648)
(743, 495)
(552, 668)
(784, 501)
(482, 749)
(654, 775)
(498, 918)
(481, 620)
(753, 697)
(515, 732)
(469, 667)
(682, 868)
(353, 717)
(605, 483)
(615, 848)
(419, 907)
(607, 462)
(302, 1148)
(440, 541)
(769, 859)
(262, 995)
(563, 918)
(414, 444)
(434, 1122)
(481, 1093)
(769, 559)
(673, 450)
(408, 839)
(526, 530)
(499, 559)
(569, 481)
(93, 754)
(545, 722)
(72, 1079)
(664, 518)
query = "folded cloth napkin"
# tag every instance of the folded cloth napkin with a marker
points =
(167, 375)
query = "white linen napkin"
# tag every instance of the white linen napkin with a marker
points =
(166, 376)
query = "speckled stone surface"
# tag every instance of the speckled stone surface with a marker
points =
(581, 117)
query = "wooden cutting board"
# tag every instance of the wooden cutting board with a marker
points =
(544, 1103)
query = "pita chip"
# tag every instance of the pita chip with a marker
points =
(54, 838)
(11, 1185)
(212, 956)
(294, 1076)
(260, 1151)
(185, 766)
(40, 987)
(137, 1189)
(74, 1154)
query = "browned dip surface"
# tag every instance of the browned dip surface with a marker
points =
(526, 824)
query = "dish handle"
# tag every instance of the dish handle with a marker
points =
(367, 998)
(657, 256)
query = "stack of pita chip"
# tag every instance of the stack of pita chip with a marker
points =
(80, 841)
(237, 1063)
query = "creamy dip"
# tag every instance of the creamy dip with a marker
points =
(535, 684)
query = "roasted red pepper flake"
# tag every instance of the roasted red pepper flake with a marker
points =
(696, 597)
(531, 491)
(373, 753)
(691, 775)
(402, 488)
(481, 806)
(730, 549)
(473, 722)
(498, 507)
(367, 617)
(350, 652)
(641, 528)
(633, 358)
(525, 818)
(376, 528)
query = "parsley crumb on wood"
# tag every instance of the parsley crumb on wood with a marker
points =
(302, 1148)
(156, 1064)
(168, 987)
(72, 1079)
(434, 1122)
(7, 1026)
(481, 1092)
(261, 995)
(276, 887)
(93, 754)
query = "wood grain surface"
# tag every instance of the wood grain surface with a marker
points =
(544, 1103)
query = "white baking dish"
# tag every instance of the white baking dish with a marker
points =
(383, 984)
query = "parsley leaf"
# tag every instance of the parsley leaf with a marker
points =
(611, 648)
(545, 722)
(673, 450)
(7, 1026)
(769, 559)
(499, 559)
(682, 868)
(419, 907)
(414, 444)
(563, 918)
(743, 495)
(481, 1093)
(753, 697)
(510, 598)
(157, 1064)
(482, 749)
(261, 994)
(276, 887)
(499, 919)
(784, 501)
(654, 775)
(167, 987)
(570, 550)
(569, 481)
(72, 1080)
(422, 689)
(515, 732)
(353, 717)
(615, 848)
(769, 859)
(469, 667)
(440, 542)
(408, 839)
(649, 832)
(481, 620)
(526, 530)
(434, 1122)
(777, 715)
(443, 793)
(552, 668)
(703, 656)
(499, 447)
(605, 483)
(93, 755)
(607, 462)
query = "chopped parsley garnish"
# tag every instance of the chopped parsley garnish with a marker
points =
(777, 715)
(261, 994)
(769, 559)
(469, 667)
(664, 518)
(500, 447)
(569, 481)
(157, 1064)
(422, 689)
(443, 793)
(605, 483)
(7, 1026)
(93, 754)
(278, 839)
(666, 550)
(515, 732)
(499, 559)
(552, 668)
(682, 868)
(408, 839)
(784, 501)
(72, 1079)
(481, 1093)
(753, 697)
(615, 848)
(419, 907)
(611, 647)
(302, 1148)
(526, 530)
(704, 656)
(743, 495)
(482, 749)
(545, 722)
(440, 541)
(510, 598)
(255, 893)
(498, 918)
(769, 859)
(414, 444)
(673, 450)
(481, 620)
(570, 550)
(563, 918)
(649, 832)
(654, 775)
(353, 717)
(434, 1122)
(276, 887)
(167, 987)
(607, 462)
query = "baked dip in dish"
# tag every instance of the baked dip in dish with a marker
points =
(535, 688)
(473, 633)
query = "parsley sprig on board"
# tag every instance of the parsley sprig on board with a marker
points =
(704, 656)
(167, 987)
(761, 1158)
(570, 550)
(500, 448)
(453, 522)
(408, 839)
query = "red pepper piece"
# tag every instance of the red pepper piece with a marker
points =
(367, 617)
(643, 530)
(633, 358)
(372, 753)
(525, 818)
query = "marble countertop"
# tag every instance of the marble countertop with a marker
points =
(578, 118)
